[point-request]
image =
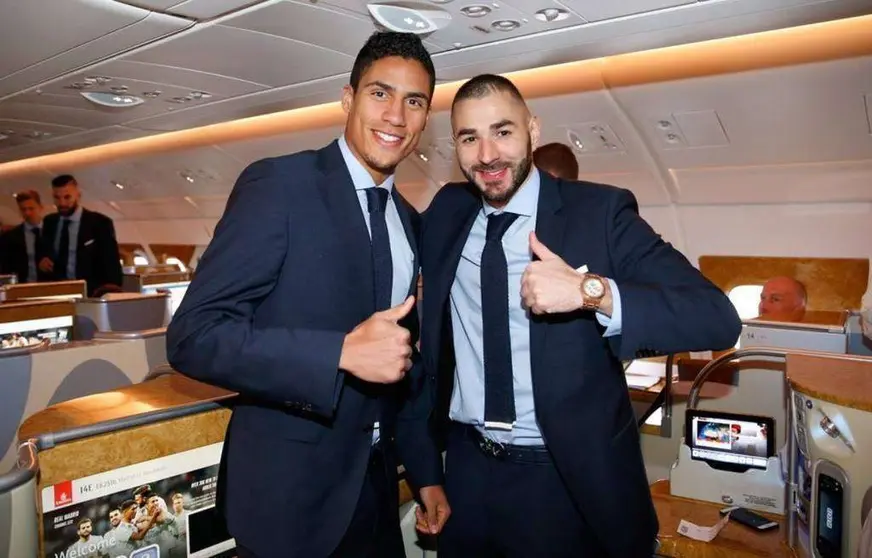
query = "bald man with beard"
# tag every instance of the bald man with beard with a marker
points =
(783, 299)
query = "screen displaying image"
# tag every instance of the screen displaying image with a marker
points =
(176, 291)
(158, 508)
(27, 333)
(730, 441)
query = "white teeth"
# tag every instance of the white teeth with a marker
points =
(388, 138)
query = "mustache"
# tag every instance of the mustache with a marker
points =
(493, 167)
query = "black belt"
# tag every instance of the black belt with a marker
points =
(505, 452)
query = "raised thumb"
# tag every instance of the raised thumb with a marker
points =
(400, 311)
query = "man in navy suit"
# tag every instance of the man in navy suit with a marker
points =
(535, 288)
(82, 242)
(303, 305)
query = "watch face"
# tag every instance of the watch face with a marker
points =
(593, 288)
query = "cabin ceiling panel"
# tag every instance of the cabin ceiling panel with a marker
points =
(191, 80)
(100, 182)
(813, 112)
(72, 109)
(247, 152)
(104, 208)
(595, 10)
(490, 23)
(307, 22)
(208, 9)
(83, 21)
(157, 209)
(19, 132)
(76, 140)
(261, 103)
(247, 55)
(812, 182)
(29, 64)
(210, 206)
(208, 170)
(608, 144)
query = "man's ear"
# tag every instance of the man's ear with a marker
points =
(535, 131)
(347, 98)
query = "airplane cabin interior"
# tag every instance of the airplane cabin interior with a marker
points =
(743, 129)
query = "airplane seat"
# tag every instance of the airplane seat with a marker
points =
(19, 532)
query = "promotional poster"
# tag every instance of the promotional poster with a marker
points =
(163, 508)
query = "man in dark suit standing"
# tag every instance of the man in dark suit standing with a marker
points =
(83, 242)
(535, 288)
(303, 304)
(24, 247)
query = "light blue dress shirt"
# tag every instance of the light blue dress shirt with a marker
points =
(30, 246)
(402, 256)
(75, 220)
(467, 399)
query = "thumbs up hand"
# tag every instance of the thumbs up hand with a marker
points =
(550, 285)
(379, 350)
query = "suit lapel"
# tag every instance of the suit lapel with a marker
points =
(436, 294)
(84, 235)
(340, 199)
(550, 226)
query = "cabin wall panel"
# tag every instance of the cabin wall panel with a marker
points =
(813, 182)
(837, 230)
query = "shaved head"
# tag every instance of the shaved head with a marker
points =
(783, 298)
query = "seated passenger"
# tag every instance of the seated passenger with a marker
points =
(558, 160)
(783, 299)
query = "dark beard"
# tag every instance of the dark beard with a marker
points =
(520, 170)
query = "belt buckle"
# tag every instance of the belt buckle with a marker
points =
(492, 448)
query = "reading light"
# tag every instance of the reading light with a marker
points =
(505, 24)
(3, 137)
(575, 140)
(476, 10)
(112, 100)
(118, 185)
(409, 17)
(423, 157)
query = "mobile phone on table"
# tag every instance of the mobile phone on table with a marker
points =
(750, 519)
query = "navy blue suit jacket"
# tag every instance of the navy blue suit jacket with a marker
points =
(582, 402)
(97, 257)
(287, 275)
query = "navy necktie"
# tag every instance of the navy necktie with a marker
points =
(382, 265)
(60, 266)
(38, 252)
(499, 398)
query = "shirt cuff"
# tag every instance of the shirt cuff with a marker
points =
(613, 323)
